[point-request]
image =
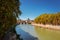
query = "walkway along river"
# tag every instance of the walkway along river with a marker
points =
(30, 32)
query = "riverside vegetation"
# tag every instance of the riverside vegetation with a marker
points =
(9, 11)
(53, 19)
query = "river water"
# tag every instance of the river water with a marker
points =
(30, 32)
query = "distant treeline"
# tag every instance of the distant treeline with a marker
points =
(53, 18)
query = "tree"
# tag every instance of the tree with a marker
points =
(48, 19)
(9, 11)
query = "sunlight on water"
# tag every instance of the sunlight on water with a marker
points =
(26, 31)
(47, 34)
(29, 32)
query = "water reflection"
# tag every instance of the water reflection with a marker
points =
(29, 32)
(47, 34)
(24, 32)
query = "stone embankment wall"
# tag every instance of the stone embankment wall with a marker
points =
(47, 26)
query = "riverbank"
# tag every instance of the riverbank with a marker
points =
(47, 26)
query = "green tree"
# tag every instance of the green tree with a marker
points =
(9, 11)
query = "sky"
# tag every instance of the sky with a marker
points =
(33, 8)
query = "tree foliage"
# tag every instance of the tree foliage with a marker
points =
(48, 19)
(9, 11)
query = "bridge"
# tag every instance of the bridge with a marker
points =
(24, 21)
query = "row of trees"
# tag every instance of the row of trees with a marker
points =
(48, 19)
(9, 11)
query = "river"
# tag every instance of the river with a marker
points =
(30, 32)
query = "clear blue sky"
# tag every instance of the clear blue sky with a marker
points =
(33, 8)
